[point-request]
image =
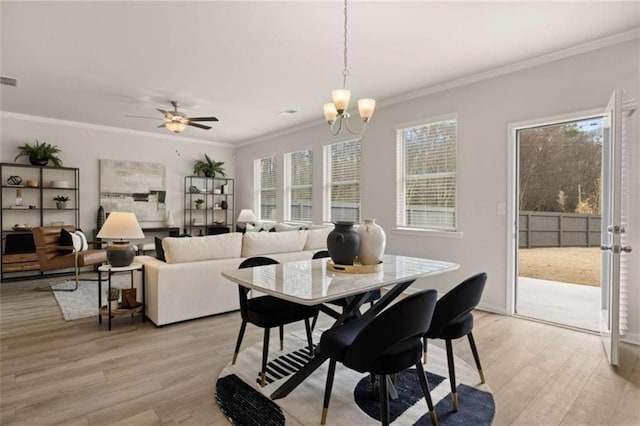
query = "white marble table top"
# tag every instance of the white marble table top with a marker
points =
(309, 282)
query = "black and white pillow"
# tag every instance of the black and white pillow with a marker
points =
(76, 239)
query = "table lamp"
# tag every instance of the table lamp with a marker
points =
(246, 215)
(122, 226)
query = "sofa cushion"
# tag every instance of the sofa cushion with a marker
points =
(259, 243)
(195, 249)
(317, 238)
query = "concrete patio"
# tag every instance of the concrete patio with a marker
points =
(570, 304)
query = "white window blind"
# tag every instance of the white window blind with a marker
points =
(426, 175)
(266, 188)
(299, 181)
(342, 181)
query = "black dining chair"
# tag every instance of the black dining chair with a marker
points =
(268, 312)
(453, 319)
(344, 302)
(382, 346)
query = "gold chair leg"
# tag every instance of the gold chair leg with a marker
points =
(454, 396)
(235, 356)
(325, 411)
(49, 287)
(263, 381)
(481, 376)
(434, 418)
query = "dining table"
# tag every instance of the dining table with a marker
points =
(316, 283)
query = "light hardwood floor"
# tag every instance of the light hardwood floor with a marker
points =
(77, 372)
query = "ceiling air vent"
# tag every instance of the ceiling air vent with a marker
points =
(9, 81)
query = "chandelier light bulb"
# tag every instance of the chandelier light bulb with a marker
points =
(330, 112)
(341, 99)
(366, 107)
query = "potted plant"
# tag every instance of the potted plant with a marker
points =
(40, 154)
(114, 295)
(199, 203)
(61, 201)
(208, 167)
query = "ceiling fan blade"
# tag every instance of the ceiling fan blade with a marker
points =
(199, 126)
(202, 119)
(143, 116)
(167, 114)
(162, 125)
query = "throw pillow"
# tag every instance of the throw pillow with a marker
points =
(83, 240)
(159, 250)
(66, 240)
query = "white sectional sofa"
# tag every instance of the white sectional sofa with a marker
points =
(189, 285)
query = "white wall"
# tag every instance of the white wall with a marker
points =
(83, 145)
(484, 111)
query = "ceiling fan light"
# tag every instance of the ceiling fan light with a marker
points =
(366, 107)
(175, 126)
(340, 99)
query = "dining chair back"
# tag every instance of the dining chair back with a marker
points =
(385, 345)
(268, 312)
(453, 319)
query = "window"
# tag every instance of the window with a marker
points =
(342, 181)
(427, 175)
(299, 182)
(265, 188)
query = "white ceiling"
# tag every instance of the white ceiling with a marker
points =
(96, 62)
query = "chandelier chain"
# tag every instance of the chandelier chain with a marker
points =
(345, 72)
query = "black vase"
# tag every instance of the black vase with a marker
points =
(38, 161)
(343, 243)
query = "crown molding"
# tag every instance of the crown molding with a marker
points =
(112, 129)
(611, 40)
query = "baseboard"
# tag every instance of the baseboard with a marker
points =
(633, 338)
(493, 309)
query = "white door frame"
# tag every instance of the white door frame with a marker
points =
(512, 179)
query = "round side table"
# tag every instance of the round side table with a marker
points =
(106, 310)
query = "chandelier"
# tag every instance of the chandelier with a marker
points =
(336, 112)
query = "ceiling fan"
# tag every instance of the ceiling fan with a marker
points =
(177, 121)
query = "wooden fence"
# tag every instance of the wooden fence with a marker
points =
(546, 229)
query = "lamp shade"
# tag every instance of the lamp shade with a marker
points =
(330, 112)
(366, 107)
(121, 225)
(246, 215)
(341, 99)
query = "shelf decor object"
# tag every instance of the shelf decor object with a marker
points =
(122, 226)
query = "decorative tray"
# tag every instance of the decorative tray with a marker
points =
(356, 268)
(21, 228)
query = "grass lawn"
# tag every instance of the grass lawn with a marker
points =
(578, 265)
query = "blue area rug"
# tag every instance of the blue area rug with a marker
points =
(243, 401)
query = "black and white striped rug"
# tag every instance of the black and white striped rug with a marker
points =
(244, 402)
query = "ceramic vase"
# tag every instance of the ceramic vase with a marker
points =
(343, 243)
(372, 242)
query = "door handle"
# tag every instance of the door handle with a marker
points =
(616, 249)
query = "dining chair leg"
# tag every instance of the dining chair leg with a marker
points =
(243, 327)
(474, 350)
(452, 374)
(265, 354)
(384, 401)
(307, 327)
(427, 393)
(315, 320)
(281, 337)
(327, 390)
(424, 350)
